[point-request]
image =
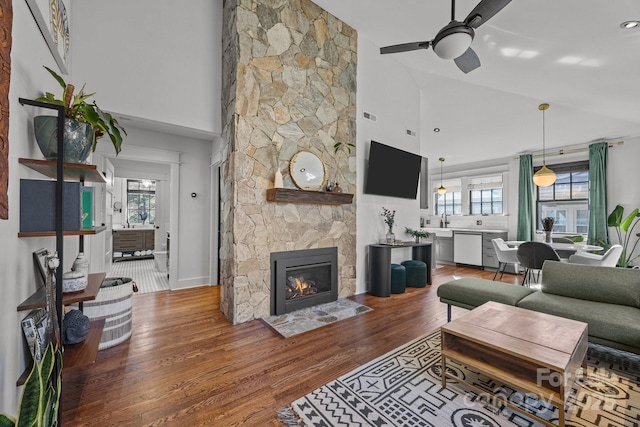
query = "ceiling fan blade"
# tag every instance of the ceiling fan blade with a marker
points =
(485, 11)
(468, 61)
(405, 47)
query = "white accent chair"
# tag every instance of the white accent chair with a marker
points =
(609, 259)
(505, 255)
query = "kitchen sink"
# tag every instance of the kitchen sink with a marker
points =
(440, 232)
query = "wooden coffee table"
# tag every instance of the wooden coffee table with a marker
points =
(532, 352)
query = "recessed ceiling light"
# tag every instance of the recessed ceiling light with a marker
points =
(630, 24)
(436, 129)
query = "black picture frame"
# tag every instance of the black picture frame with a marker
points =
(40, 262)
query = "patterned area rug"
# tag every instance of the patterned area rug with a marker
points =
(307, 319)
(402, 388)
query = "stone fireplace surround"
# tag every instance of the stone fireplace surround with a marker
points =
(289, 84)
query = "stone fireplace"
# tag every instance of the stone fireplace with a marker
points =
(289, 84)
(303, 278)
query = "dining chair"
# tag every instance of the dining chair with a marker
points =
(609, 259)
(562, 240)
(505, 255)
(564, 255)
(532, 256)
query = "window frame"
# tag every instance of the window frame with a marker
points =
(564, 168)
(151, 193)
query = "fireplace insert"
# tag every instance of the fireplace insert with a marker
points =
(303, 278)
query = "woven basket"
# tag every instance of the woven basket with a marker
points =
(114, 305)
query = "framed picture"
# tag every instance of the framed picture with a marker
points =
(39, 260)
(53, 21)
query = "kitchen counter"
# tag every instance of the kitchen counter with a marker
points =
(448, 232)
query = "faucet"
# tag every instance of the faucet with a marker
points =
(444, 222)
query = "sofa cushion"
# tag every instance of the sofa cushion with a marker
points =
(611, 285)
(471, 292)
(611, 322)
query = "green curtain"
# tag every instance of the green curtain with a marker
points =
(526, 195)
(598, 193)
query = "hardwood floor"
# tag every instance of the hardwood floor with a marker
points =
(186, 365)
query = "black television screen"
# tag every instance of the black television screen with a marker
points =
(392, 172)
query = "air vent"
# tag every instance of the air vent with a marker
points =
(411, 132)
(370, 116)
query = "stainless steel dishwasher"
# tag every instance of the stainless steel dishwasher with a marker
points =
(467, 247)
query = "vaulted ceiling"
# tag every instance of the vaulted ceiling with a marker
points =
(572, 54)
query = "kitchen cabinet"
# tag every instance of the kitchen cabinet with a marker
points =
(444, 250)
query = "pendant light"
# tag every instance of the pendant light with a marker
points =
(545, 176)
(441, 190)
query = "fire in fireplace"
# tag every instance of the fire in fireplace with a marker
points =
(299, 287)
(303, 278)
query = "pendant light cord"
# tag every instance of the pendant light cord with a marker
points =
(543, 107)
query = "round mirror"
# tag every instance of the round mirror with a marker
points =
(307, 171)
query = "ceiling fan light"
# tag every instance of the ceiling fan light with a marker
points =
(453, 45)
(544, 177)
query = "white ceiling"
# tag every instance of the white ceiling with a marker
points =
(570, 53)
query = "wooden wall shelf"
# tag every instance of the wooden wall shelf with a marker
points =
(83, 232)
(38, 299)
(76, 355)
(290, 195)
(72, 171)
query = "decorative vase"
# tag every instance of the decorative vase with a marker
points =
(547, 236)
(78, 138)
(391, 238)
(81, 264)
(417, 239)
(277, 180)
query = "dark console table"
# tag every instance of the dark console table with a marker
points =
(380, 265)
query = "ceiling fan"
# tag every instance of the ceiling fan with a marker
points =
(453, 41)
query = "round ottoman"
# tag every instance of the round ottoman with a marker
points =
(416, 273)
(398, 278)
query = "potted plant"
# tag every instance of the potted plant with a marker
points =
(85, 123)
(389, 219)
(41, 394)
(624, 229)
(547, 227)
(417, 234)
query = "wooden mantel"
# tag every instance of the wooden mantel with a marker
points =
(290, 195)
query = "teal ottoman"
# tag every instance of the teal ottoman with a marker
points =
(398, 278)
(416, 273)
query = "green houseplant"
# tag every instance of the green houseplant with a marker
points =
(78, 108)
(40, 399)
(624, 229)
(416, 234)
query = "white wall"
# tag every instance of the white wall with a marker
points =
(153, 59)
(623, 175)
(385, 89)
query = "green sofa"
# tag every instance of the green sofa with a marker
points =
(606, 298)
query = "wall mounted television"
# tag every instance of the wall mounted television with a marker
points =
(392, 172)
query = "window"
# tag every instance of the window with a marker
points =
(449, 203)
(567, 200)
(485, 202)
(485, 195)
(141, 201)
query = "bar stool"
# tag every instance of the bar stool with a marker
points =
(416, 273)
(398, 279)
